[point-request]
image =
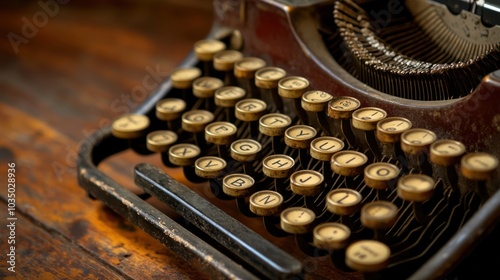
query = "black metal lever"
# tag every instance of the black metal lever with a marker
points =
(256, 251)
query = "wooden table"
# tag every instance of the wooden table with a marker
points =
(66, 70)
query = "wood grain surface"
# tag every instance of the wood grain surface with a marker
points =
(67, 68)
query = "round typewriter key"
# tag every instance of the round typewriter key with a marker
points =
(238, 185)
(268, 77)
(196, 120)
(277, 166)
(478, 166)
(266, 203)
(224, 60)
(322, 148)
(160, 140)
(130, 126)
(227, 97)
(247, 66)
(299, 136)
(367, 118)
(389, 130)
(417, 140)
(315, 100)
(297, 220)
(245, 150)
(348, 163)
(205, 49)
(183, 78)
(416, 187)
(342, 107)
(343, 201)
(293, 87)
(306, 182)
(250, 109)
(169, 109)
(367, 256)
(274, 124)
(209, 167)
(380, 175)
(331, 236)
(205, 87)
(379, 214)
(183, 154)
(446, 152)
(220, 133)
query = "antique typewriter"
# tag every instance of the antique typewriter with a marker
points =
(314, 139)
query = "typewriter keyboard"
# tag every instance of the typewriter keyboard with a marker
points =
(346, 182)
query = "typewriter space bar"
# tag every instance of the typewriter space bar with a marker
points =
(256, 251)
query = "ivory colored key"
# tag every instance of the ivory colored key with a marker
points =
(267, 79)
(446, 152)
(159, 141)
(238, 185)
(278, 166)
(266, 203)
(210, 167)
(366, 119)
(340, 109)
(297, 220)
(227, 97)
(246, 151)
(479, 167)
(416, 188)
(245, 69)
(221, 134)
(294, 87)
(183, 154)
(415, 143)
(322, 149)
(331, 236)
(196, 120)
(316, 101)
(379, 215)
(348, 163)
(250, 110)
(343, 201)
(205, 51)
(274, 125)
(182, 78)
(368, 256)
(170, 110)
(381, 176)
(306, 182)
(133, 128)
(130, 126)
(205, 87)
(389, 132)
(224, 61)
(300, 137)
